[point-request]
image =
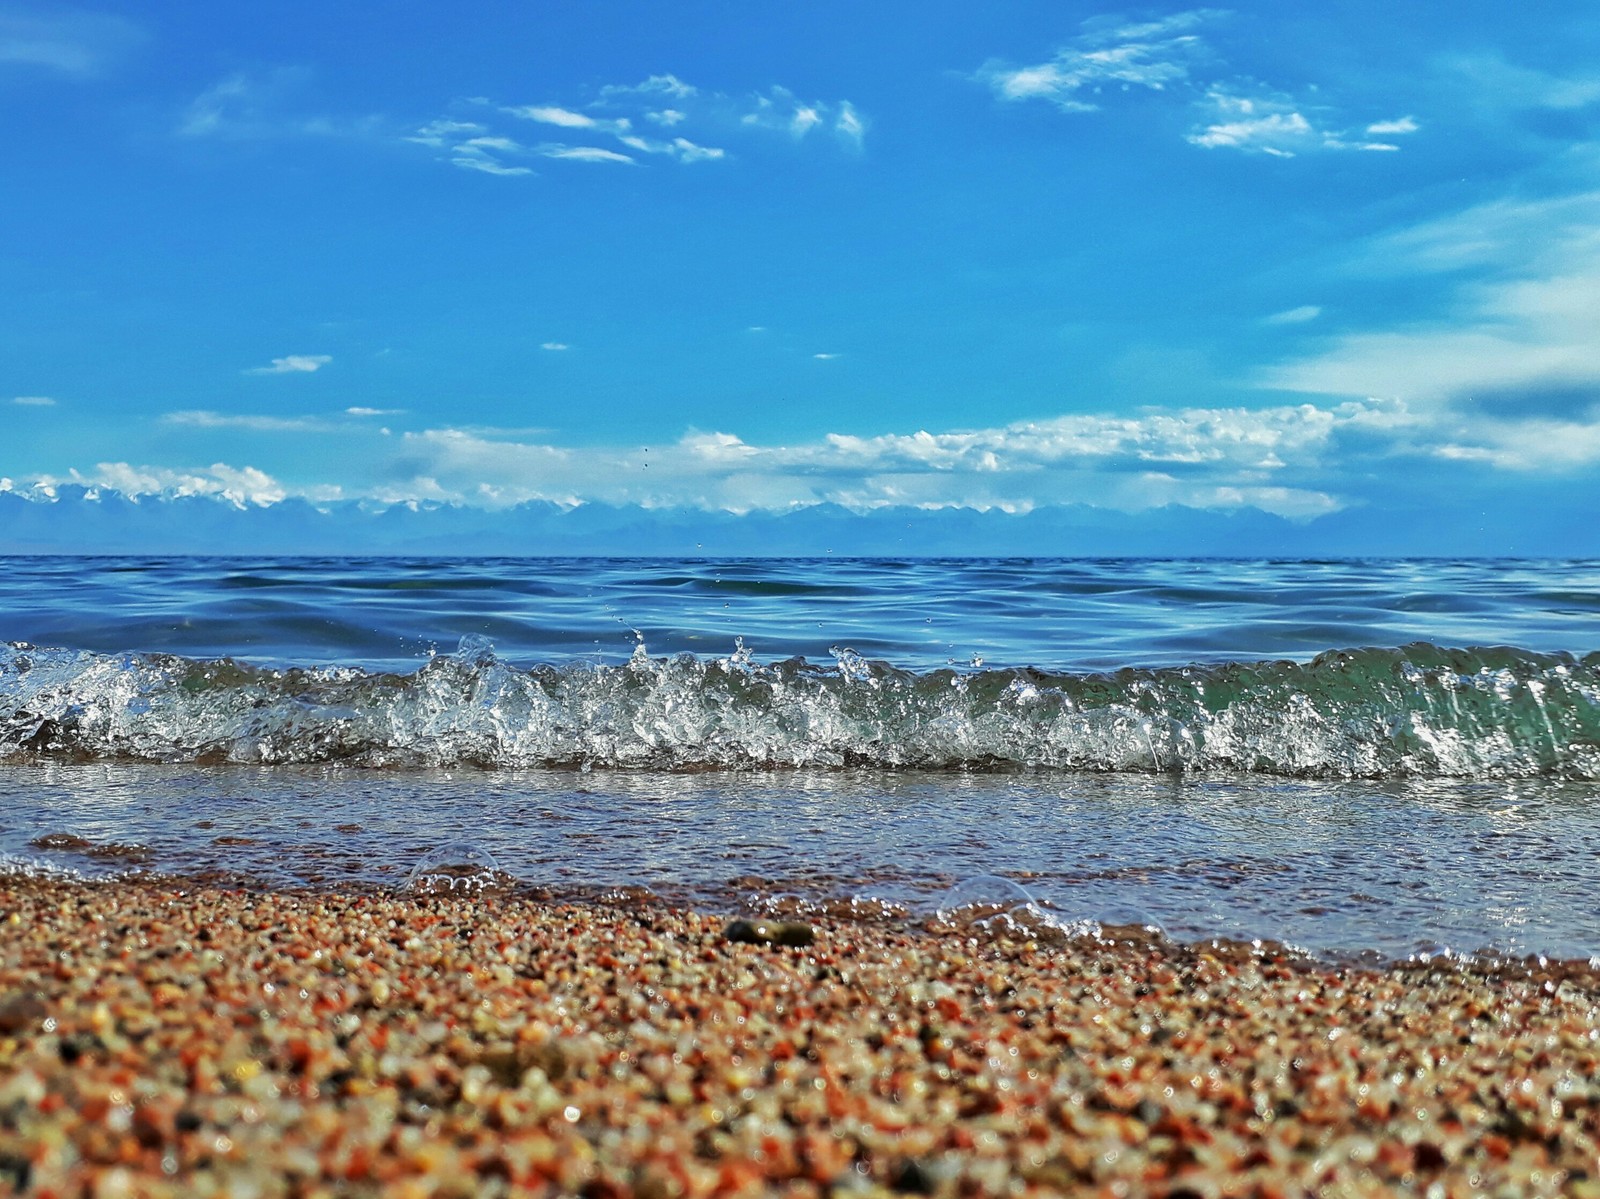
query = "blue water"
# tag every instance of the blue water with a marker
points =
(1355, 756)
(1064, 614)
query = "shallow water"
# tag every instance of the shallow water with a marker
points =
(1201, 742)
(1395, 868)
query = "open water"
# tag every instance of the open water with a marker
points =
(1379, 758)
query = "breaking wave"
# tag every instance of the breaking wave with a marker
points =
(1420, 710)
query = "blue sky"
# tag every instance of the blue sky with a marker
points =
(1301, 259)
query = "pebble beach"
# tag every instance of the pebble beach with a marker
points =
(163, 1038)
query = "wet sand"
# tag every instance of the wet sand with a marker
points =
(178, 1039)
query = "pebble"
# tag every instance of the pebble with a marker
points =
(174, 1039)
(771, 932)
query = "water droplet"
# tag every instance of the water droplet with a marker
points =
(1128, 922)
(785, 905)
(992, 904)
(462, 866)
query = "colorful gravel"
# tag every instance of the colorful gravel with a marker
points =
(163, 1039)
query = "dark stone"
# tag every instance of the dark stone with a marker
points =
(19, 1170)
(911, 1177)
(771, 932)
(21, 1011)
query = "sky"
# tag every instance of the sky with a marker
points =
(1302, 260)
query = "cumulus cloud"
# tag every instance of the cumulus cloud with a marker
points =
(1269, 123)
(34, 401)
(293, 364)
(241, 486)
(779, 110)
(1299, 461)
(1277, 459)
(1391, 128)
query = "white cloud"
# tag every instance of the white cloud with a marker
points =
(555, 345)
(1277, 459)
(849, 125)
(566, 118)
(243, 486)
(1519, 311)
(825, 357)
(34, 401)
(686, 151)
(293, 364)
(1111, 59)
(359, 411)
(200, 418)
(1295, 316)
(779, 110)
(1390, 128)
(1154, 56)
(680, 148)
(1297, 461)
(581, 153)
(1268, 124)
(489, 166)
(1242, 123)
(441, 132)
(620, 111)
(655, 86)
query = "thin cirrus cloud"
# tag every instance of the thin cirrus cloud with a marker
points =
(202, 418)
(1507, 373)
(1153, 55)
(34, 401)
(659, 119)
(74, 44)
(267, 106)
(1172, 56)
(1295, 316)
(293, 364)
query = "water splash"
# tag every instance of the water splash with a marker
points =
(1418, 711)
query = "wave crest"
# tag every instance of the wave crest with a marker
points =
(1419, 710)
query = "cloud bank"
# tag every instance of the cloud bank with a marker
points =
(1297, 461)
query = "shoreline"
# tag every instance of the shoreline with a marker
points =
(167, 1037)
